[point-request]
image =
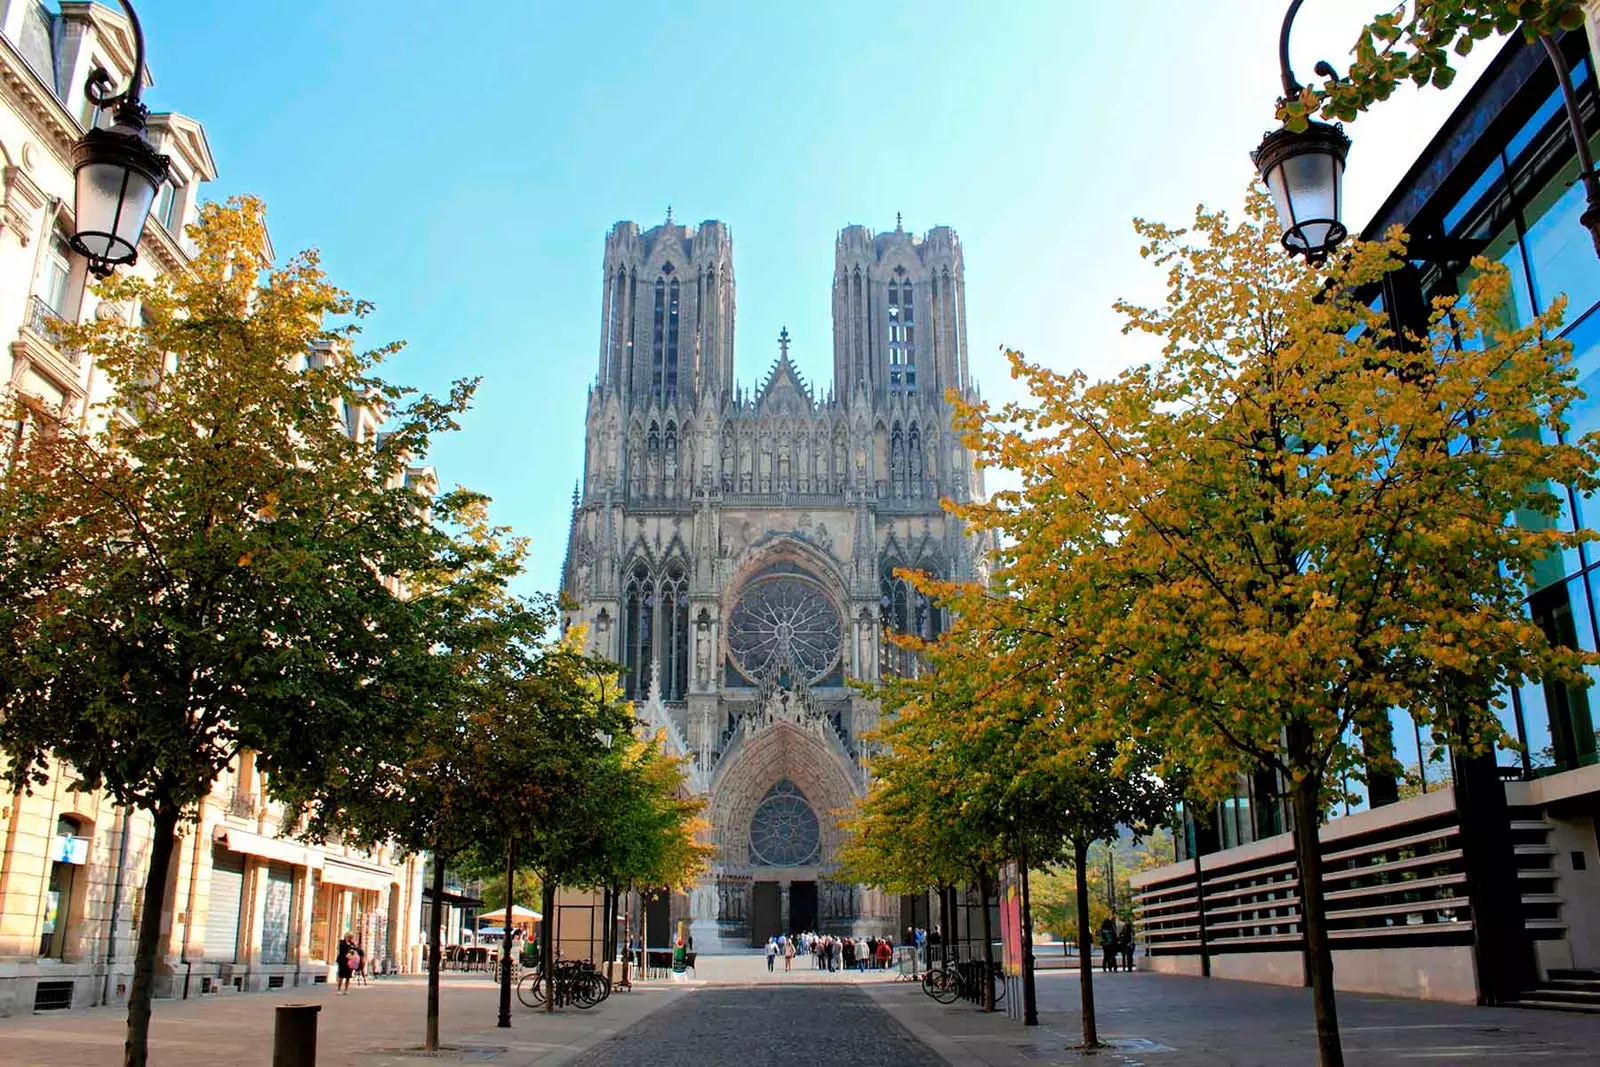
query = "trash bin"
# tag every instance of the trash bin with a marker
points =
(294, 1035)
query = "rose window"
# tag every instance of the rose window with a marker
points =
(784, 621)
(784, 830)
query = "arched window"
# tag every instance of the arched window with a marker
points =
(638, 618)
(893, 597)
(857, 318)
(675, 634)
(658, 336)
(916, 464)
(897, 460)
(615, 348)
(902, 349)
(672, 341)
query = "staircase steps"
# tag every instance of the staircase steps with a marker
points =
(1565, 991)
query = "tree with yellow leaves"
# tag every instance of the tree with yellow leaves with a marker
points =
(979, 770)
(1291, 522)
(213, 565)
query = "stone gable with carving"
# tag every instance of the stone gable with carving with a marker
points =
(735, 551)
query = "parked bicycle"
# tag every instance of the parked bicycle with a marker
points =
(963, 980)
(576, 982)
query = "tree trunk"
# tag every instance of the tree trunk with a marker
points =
(430, 1040)
(988, 940)
(1319, 954)
(1080, 864)
(163, 843)
(505, 939)
(549, 894)
(608, 941)
(948, 938)
(627, 941)
(1030, 1002)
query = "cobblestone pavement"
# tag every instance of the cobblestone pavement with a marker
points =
(803, 1025)
(734, 1012)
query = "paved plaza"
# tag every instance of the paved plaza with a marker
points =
(734, 1013)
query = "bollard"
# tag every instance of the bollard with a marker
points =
(294, 1035)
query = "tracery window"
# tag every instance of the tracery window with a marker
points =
(638, 617)
(658, 336)
(784, 831)
(783, 621)
(905, 610)
(902, 338)
(675, 633)
(672, 341)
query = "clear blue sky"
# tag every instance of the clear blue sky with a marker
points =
(459, 165)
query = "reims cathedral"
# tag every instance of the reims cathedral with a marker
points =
(735, 551)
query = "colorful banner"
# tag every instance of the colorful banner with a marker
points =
(1010, 891)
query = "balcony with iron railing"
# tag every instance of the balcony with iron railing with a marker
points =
(39, 343)
(242, 803)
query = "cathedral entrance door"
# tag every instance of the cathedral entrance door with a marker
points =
(766, 912)
(802, 907)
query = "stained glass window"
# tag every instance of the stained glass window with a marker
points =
(784, 830)
(783, 621)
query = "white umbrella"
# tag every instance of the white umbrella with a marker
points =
(519, 914)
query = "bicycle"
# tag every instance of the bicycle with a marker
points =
(576, 983)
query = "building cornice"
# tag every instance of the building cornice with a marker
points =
(37, 103)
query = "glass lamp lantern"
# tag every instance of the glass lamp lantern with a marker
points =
(116, 171)
(1305, 174)
(117, 174)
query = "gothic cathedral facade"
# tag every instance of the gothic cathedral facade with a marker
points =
(735, 551)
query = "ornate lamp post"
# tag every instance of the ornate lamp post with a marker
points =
(117, 172)
(1305, 170)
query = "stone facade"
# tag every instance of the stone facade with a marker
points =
(735, 551)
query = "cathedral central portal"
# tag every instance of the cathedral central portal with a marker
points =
(736, 551)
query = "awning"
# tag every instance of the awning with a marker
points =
(337, 873)
(271, 848)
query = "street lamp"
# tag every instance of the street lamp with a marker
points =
(1305, 171)
(117, 171)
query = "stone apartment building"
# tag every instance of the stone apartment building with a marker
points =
(250, 910)
(735, 550)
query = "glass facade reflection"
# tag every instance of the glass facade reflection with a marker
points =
(1501, 180)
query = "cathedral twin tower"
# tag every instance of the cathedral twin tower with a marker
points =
(735, 552)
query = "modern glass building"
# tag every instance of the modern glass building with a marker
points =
(1484, 872)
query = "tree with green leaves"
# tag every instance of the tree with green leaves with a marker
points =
(1417, 42)
(213, 565)
(1292, 522)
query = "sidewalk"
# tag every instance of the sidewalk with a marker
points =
(379, 1025)
(1167, 1021)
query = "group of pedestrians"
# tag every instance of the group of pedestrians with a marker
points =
(1116, 945)
(830, 953)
